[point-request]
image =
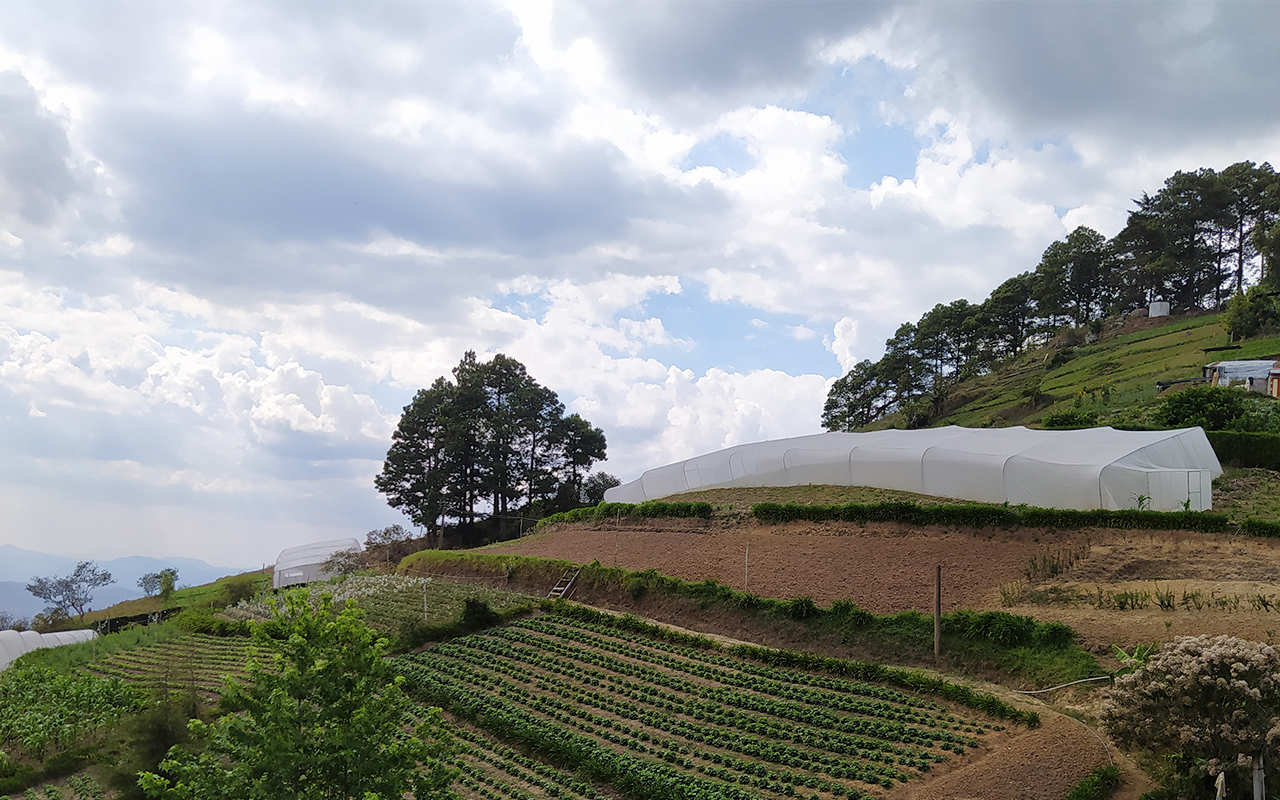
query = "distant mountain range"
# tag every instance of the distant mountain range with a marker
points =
(19, 566)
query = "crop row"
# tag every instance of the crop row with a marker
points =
(763, 742)
(616, 706)
(734, 697)
(710, 709)
(894, 705)
(573, 746)
(480, 754)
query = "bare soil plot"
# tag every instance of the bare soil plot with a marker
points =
(889, 567)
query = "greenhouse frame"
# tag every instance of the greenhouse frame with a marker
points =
(16, 643)
(302, 564)
(1081, 469)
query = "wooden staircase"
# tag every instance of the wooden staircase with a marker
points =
(564, 586)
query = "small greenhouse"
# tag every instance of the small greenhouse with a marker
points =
(15, 643)
(1081, 469)
(303, 564)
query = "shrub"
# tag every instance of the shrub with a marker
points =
(1071, 418)
(1214, 408)
(1252, 312)
(1207, 702)
(200, 619)
(800, 608)
(650, 509)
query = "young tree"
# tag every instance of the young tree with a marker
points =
(1210, 703)
(161, 582)
(73, 592)
(322, 716)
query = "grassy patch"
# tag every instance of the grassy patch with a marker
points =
(1243, 493)
(70, 657)
(1097, 785)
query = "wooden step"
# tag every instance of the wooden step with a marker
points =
(564, 585)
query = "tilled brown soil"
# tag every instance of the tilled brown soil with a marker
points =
(890, 567)
(883, 567)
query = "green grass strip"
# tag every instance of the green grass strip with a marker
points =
(990, 516)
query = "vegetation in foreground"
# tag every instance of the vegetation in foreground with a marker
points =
(661, 720)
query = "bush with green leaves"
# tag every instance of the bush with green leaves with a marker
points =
(1252, 312)
(1069, 418)
(1205, 704)
(323, 715)
(1214, 408)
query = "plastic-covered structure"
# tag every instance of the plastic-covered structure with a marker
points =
(302, 564)
(15, 643)
(1082, 469)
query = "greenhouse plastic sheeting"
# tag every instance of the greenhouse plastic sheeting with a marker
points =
(14, 644)
(1083, 469)
(301, 564)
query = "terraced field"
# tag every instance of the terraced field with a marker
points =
(76, 787)
(194, 660)
(658, 720)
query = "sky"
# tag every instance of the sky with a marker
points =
(235, 238)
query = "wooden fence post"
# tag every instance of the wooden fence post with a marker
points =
(937, 614)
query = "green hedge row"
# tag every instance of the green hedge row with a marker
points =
(1260, 527)
(797, 659)
(986, 516)
(1240, 449)
(650, 509)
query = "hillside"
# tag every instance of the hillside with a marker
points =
(1112, 372)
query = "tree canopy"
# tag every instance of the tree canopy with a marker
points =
(321, 717)
(1202, 238)
(492, 440)
(74, 592)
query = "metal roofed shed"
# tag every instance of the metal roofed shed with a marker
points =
(1254, 374)
(1081, 469)
(14, 644)
(302, 564)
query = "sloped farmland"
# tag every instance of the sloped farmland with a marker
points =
(628, 715)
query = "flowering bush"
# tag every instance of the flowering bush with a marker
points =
(1212, 702)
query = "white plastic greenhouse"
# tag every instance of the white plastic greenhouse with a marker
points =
(1082, 469)
(301, 564)
(14, 644)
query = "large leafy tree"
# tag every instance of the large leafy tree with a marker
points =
(74, 592)
(321, 717)
(492, 439)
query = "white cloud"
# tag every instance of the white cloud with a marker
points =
(843, 342)
(239, 237)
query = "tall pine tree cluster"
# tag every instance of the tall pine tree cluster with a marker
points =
(1201, 240)
(490, 443)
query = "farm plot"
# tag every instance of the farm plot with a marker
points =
(390, 600)
(657, 720)
(195, 660)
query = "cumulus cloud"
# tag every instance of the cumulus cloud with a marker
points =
(238, 238)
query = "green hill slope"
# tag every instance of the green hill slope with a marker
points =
(1111, 373)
